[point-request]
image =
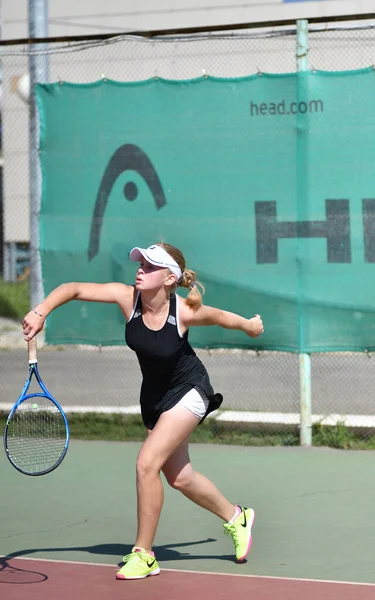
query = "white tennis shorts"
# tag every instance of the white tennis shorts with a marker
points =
(194, 402)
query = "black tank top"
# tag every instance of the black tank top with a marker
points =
(169, 365)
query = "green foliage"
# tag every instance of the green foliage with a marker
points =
(100, 426)
(129, 428)
(340, 436)
(14, 299)
(213, 432)
(336, 437)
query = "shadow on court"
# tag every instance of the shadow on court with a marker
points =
(163, 553)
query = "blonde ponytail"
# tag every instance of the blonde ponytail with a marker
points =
(188, 279)
(194, 297)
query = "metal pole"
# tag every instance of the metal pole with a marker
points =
(302, 188)
(39, 73)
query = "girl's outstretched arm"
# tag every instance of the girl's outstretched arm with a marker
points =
(117, 293)
(207, 315)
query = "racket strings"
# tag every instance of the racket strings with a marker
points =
(36, 436)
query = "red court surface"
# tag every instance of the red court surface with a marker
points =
(25, 579)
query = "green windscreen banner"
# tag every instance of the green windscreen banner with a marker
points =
(266, 183)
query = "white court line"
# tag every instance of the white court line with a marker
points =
(271, 577)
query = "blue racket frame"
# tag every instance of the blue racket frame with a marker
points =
(33, 370)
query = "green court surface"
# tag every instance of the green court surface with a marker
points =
(314, 511)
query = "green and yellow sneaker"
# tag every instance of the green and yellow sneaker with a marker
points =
(138, 565)
(240, 530)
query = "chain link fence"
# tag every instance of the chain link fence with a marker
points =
(261, 390)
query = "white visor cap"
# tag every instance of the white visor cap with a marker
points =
(156, 255)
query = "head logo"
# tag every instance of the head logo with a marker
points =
(128, 157)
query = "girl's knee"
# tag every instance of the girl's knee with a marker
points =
(181, 481)
(146, 467)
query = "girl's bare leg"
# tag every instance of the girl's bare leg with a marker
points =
(180, 475)
(172, 428)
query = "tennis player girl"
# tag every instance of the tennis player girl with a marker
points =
(176, 393)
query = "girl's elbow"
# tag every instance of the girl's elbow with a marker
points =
(72, 289)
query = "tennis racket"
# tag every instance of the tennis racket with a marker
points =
(36, 435)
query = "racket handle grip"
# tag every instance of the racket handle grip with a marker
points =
(32, 351)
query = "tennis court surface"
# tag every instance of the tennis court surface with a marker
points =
(63, 535)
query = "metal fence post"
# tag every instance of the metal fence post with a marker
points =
(304, 359)
(38, 70)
